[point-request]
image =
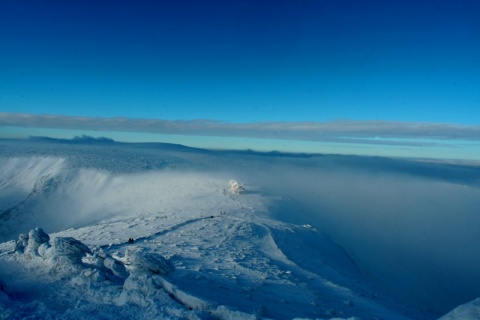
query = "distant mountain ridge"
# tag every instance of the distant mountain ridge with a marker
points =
(77, 139)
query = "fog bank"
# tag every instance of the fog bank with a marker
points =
(416, 235)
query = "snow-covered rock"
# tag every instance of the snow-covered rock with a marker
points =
(42, 249)
(36, 238)
(236, 187)
(147, 261)
(103, 261)
(68, 249)
(88, 275)
(97, 257)
(21, 243)
(30, 243)
(70, 255)
(142, 290)
(116, 267)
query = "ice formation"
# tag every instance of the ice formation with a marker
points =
(236, 187)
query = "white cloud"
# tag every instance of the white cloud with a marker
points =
(374, 131)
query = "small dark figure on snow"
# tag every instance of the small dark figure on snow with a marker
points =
(130, 240)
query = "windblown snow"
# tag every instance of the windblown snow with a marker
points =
(166, 232)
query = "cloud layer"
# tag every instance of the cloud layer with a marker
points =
(373, 131)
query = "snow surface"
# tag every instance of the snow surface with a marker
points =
(470, 310)
(210, 241)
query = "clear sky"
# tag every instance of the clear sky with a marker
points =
(243, 61)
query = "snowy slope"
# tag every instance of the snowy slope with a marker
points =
(201, 251)
(470, 310)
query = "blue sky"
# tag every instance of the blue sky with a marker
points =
(243, 61)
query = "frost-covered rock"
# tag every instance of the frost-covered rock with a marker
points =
(21, 243)
(31, 242)
(96, 258)
(86, 275)
(116, 267)
(236, 187)
(106, 263)
(36, 238)
(141, 289)
(42, 250)
(68, 249)
(147, 261)
(99, 252)
(62, 250)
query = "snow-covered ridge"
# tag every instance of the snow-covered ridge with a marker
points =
(19, 176)
(59, 197)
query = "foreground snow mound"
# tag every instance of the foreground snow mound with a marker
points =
(468, 311)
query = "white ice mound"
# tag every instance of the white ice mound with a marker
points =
(147, 261)
(467, 311)
(236, 187)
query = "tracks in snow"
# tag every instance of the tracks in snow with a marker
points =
(162, 232)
